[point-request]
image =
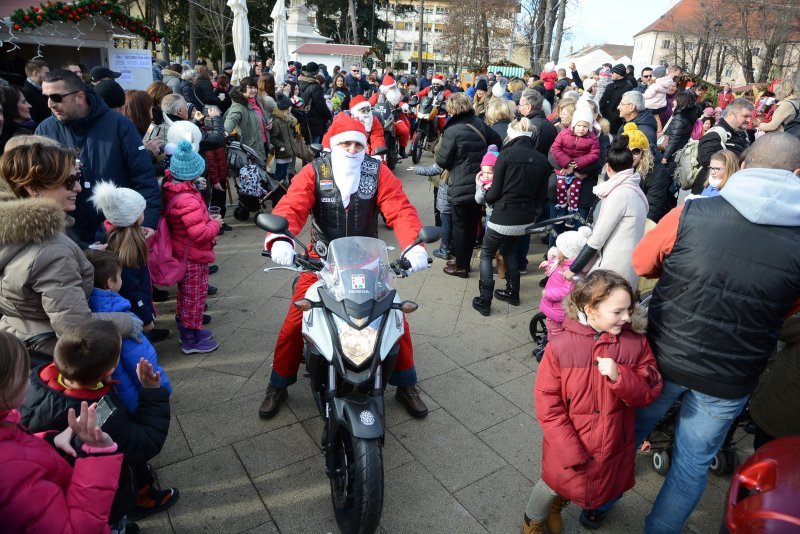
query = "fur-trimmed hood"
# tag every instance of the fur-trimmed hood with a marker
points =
(29, 219)
(237, 97)
(638, 318)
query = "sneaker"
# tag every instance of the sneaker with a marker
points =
(543, 281)
(226, 227)
(213, 269)
(441, 253)
(152, 500)
(157, 334)
(592, 519)
(212, 290)
(409, 397)
(272, 402)
(221, 231)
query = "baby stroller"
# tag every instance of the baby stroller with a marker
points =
(254, 184)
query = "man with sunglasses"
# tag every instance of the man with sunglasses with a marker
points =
(645, 80)
(110, 149)
(355, 82)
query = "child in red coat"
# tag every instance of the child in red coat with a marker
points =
(574, 149)
(190, 225)
(590, 380)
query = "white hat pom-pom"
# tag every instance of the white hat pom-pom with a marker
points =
(585, 231)
(103, 196)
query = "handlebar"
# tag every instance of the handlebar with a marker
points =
(546, 225)
(401, 266)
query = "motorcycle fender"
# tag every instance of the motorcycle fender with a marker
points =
(393, 331)
(315, 327)
(360, 415)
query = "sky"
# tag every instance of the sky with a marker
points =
(610, 21)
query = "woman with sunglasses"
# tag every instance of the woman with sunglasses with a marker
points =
(45, 279)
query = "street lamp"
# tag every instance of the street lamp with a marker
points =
(717, 26)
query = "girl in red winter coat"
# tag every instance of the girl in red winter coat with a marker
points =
(591, 378)
(39, 490)
(193, 232)
(574, 149)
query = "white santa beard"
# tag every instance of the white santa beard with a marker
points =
(346, 171)
(394, 96)
(366, 121)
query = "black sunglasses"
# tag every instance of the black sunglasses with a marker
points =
(71, 181)
(636, 151)
(57, 98)
(647, 76)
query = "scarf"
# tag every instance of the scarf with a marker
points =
(256, 107)
(625, 179)
(513, 134)
(346, 171)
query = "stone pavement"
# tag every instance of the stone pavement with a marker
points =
(467, 468)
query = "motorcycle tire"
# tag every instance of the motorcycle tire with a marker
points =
(538, 331)
(357, 484)
(419, 144)
(241, 213)
(392, 157)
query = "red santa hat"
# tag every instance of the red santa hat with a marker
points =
(358, 102)
(345, 128)
(437, 79)
(387, 84)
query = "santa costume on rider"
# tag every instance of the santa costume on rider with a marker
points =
(361, 110)
(439, 94)
(389, 92)
(343, 192)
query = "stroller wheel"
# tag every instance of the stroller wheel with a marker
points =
(241, 213)
(538, 332)
(720, 464)
(661, 462)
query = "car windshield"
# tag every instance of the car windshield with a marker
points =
(357, 269)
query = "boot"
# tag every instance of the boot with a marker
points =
(554, 522)
(529, 526)
(272, 402)
(511, 293)
(192, 343)
(410, 398)
(203, 332)
(483, 303)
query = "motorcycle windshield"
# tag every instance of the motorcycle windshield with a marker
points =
(357, 270)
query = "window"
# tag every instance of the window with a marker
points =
(728, 71)
(428, 10)
(442, 10)
(438, 28)
(666, 43)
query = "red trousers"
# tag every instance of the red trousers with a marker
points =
(289, 347)
(192, 294)
(403, 132)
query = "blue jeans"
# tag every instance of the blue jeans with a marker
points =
(702, 423)
(281, 171)
(447, 231)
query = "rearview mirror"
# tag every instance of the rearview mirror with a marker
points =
(316, 148)
(272, 223)
(380, 151)
(429, 234)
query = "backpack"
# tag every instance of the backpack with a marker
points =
(686, 165)
(793, 126)
(165, 269)
(697, 130)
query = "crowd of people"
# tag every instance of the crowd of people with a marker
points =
(107, 194)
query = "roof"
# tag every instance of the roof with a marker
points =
(613, 50)
(331, 49)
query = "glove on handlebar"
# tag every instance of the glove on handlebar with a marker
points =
(418, 258)
(282, 253)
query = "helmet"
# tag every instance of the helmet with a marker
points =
(763, 493)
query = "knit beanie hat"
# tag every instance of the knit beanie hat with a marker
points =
(619, 68)
(571, 243)
(660, 71)
(550, 66)
(284, 102)
(636, 138)
(186, 164)
(490, 158)
(481, 85)
(120, 206)
(605, 71)
(588, 84)
(111, 92)
(582, 114)
(498, 89)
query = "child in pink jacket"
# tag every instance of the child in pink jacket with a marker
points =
(574, 149)
(560, 257)
(190, 226)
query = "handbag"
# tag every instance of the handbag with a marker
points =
(663, 139)
(165, 269)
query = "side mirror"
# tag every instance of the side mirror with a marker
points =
(429, 234)
(316, 148)
(380, 151)
(414, 101)
(272, 223)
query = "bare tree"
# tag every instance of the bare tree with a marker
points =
(192, 33)
(352, 8)
(559, 30)
(215, 22)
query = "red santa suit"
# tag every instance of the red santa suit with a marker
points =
(442, 116)
(392, 94)
(357, 197)
(374, 128)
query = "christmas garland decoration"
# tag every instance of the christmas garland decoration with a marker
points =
(77, 11)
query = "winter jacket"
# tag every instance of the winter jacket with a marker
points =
(225, 104)
(588, 449)
(520, 183)
(555, 291)
(241, 117)
(186, 90)
(679, 131)
(723, 99)
(313, 95)
(655, 96)
(357, 86)
(173, 79)
(41, 492)
(128, 386)
(657, 186)
(549, 79)
(545, 131)
(39, 108)
(204, 93)
(618, 228)
(45, 278)
(461, 153)
(785, 113)
(609, 103)
(501, 127)
(12, 128)
(111, 149)
(711, 143)
(189, 223)
(646, 122)
(776, 400)
(284, 134)
(582, 150)
(140, 436)
(714, 324)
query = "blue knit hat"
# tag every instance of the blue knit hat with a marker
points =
(186, 164)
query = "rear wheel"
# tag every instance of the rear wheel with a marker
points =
(661, 462)
(392, 156)
(538, 330)
(419, 144)
(357, 484)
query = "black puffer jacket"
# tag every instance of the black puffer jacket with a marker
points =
(657, 186)
(461, 153)
(609, 103)
(186, 90)
(520, 183)
(545, 131)
(204, 92)
(313, 95)
(646, 123)
(679, 130)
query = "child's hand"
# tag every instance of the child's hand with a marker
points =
(543, 264)
(608, 367)
(147, 376)
(544, 293)
(85, 427)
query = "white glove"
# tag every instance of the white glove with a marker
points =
(418, 258)
(282, 253)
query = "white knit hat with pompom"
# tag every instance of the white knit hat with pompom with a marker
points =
(571, 243)
(120, 206)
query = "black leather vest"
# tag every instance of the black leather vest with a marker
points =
(722, 297)
(331, 219)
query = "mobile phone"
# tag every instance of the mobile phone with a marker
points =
(207, 110)
(105, 409)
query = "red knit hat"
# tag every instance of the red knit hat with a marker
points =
(345, 128)
(438, 79)
(387, 83)
(358, 102)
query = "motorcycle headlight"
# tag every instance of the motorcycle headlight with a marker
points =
(357, 345)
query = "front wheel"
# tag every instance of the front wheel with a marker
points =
(357, 484)
(419, 144)
(392, 156)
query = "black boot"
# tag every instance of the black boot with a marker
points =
(511, 293)
(483, 303)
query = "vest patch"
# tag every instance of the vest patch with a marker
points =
(325, 185)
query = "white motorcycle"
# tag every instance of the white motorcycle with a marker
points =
(352, 322)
